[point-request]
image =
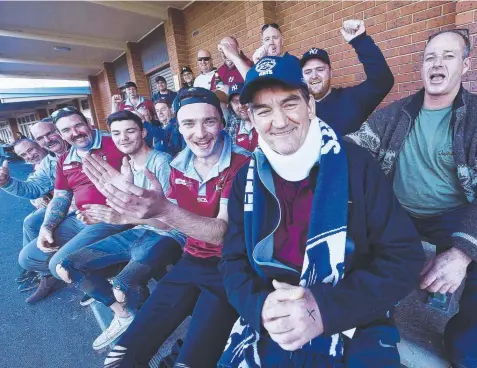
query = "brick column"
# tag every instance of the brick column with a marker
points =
(93, 111)
(103, 86)
(177, 48)
(14, 127)
(466, 17)
(133, 57)
(257, 13)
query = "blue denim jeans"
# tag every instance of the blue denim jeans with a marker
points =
(461, 331)
(194, 286)
(146, 252)
(32, 224)
(70, 236)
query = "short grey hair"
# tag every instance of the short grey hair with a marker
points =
(466, 50)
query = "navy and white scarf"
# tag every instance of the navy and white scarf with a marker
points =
(324, 254)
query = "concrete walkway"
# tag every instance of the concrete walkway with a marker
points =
(54, 333)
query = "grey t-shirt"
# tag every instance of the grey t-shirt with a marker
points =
(426, 181)
(158, 164)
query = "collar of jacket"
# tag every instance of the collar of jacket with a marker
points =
(414, 105)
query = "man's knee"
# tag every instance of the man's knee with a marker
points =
(63, 273)
(459, 337)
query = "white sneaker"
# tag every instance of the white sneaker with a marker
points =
(116, 328)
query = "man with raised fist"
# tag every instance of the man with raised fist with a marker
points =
(345, 109)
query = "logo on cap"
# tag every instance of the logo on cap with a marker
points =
(234, 87)
(313, 51)
(265, 66)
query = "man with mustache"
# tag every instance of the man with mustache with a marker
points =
(345, 109)
(147, 248)
(196, 205)
(207, 71)
(318, 250)
(61, 233)
(426, 143)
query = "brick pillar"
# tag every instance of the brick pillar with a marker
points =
(133, 57)
(177, 49)
(41, 113)
(466, 17)
(93, 111)
(14, 127)
(257, 13)
(103, 86)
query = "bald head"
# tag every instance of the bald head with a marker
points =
(232, 42)
(204, 61)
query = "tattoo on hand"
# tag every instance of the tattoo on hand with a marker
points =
(310, 314)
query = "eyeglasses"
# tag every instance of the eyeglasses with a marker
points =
(47, 135)
(65, 111)
(205, 58)
(273, 25)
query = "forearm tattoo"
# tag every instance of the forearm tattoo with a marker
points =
(58, 209)
(310, 314)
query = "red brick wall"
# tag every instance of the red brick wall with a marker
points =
(467, 18)
(133, 57)
(103, 86)
(400, 28)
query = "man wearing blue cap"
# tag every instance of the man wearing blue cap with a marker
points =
(345, 109)
(318, 250)
(196, 204)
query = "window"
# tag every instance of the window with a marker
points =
(84, 104)
(6, 135)
(24, 122)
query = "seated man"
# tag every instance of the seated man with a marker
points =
(427, 143)
(207, 70)
(61, 233)
(200, 180)
(163, 94)
(245, 134)
(318, 249)
(345, 109)
(133, 100)
(147, 248)
(187, 78)
(166, 139)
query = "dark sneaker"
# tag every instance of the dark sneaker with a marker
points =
(47, 286)
(25, 275)
(29, 284)
(86, 300)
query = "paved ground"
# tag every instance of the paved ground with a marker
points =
(55, 333)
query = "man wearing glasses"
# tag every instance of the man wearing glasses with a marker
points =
(39, 185)
(207, 71)
(426, 144)
(61, 233)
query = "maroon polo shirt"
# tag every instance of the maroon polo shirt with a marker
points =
(246, 140)
(230, 76)
(204, 199)
(295, 205)
(70, 175)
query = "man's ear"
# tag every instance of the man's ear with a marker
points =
(250, 115)
(311, 108)
(144, 132)
(466, 65)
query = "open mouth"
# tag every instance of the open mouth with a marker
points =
(204, 145)
(52, 144)
(315, 82)
(437, 77)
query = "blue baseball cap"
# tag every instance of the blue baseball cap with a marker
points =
(235, 89)
(285, 69)
(189, 96)
(315, 53)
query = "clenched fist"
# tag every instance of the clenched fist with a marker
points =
(352, 28)
(4, 173)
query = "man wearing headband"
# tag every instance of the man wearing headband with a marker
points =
(318, 250)
(196, 204)
(345, 109)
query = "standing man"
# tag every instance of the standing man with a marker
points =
(201, 177)
(207, 71)
(61, 233)
(315, 238)
(345, 109)
(187, 78)
(147, 247)
(427, 143)
(272, 42)
(163, 94)
(133, 101)
(228, 72)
